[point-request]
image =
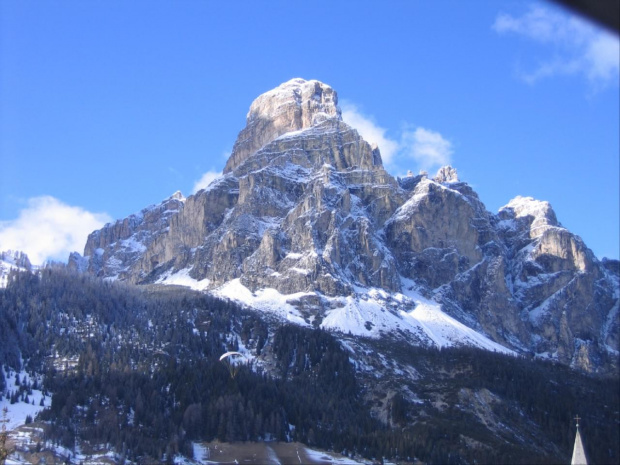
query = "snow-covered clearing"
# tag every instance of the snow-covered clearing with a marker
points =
(182, 278)
(370, 312)
(262, 453)
(29, 404)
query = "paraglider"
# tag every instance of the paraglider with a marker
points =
(233, 360)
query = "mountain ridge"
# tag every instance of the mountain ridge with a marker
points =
(12, 260)
(305, 209)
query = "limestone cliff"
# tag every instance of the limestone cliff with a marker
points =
(294, 105)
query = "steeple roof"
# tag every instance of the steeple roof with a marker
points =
(579, 454)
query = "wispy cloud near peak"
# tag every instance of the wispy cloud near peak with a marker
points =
(429, 149)
(575, 46)
(370, 131)
(205, 180)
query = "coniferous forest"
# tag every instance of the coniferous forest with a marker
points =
(137, 369)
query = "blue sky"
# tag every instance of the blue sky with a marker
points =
(107, 107)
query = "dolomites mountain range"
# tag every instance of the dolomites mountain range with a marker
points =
(306, 223)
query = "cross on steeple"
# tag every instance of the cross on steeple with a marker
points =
(579, 454)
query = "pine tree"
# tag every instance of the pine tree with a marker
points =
(4, 452)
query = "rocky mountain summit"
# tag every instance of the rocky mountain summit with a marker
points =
(306, 223)
(12, 260)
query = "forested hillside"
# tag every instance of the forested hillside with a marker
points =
(137, 369)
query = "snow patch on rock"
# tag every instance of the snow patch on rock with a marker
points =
(370, 312)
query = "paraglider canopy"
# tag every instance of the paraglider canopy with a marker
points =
(233, 361)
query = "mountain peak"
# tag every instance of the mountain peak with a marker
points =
(446, 174)
(294, 105)
(10, 260)
(16, 258)
(177, 196)
(538, 214)
(306, 223)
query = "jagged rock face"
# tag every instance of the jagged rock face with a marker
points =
(446, 174)
(295, 105)
(305, 217)
(567, 297)
(115, 249)
(12, 260)
(306, 208)
(16, 258)
(434, 233)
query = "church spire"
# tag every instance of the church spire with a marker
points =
(579, 454)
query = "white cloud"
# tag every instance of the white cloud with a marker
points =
(428, 148)
(603, 57)
(48, 229)
(370, 131)
(544, 25)
(576, 47)
(205, 180)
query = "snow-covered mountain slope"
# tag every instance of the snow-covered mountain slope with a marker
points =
(307, 224)
(370, 312)
(22, 397)
(12, 260)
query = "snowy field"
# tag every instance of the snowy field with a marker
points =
(30, 405)
(371, 312)
(264, 453)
